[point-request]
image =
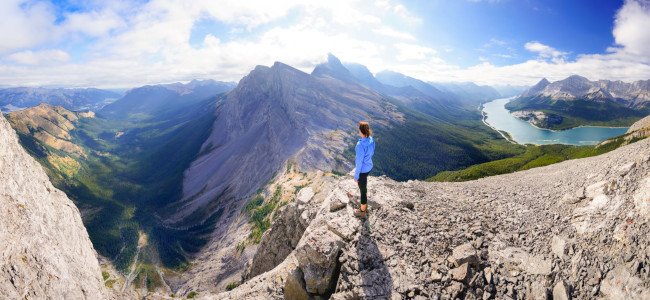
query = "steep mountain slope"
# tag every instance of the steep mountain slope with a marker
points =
(154, 100)
(51, 125)
(46, 252)
(574, 230)
(536, 89)
(577, 101)
(72, 99)
(269, 118)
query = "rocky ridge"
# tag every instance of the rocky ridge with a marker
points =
(49, 124)
(577, 87)
(574, 230)
(46, 252)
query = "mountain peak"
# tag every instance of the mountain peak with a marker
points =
(577, 77)
(333, 68)
(333, 60)
(537, 88)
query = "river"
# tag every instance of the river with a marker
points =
(522, 132)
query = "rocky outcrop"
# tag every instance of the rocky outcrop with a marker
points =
(574, 230)
(643, 124)
(538, 118)
(50, 125)
(46, 252)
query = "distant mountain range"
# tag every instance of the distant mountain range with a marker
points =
(73, 99)
(576, 101)
(635, 94)
(152, 100)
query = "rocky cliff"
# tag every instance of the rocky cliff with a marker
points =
(577, 87)
(574, 230)
(46, 252)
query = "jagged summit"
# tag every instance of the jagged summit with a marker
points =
(578, 87)
(333, 68)
(534, 90)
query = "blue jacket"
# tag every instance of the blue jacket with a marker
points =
(363, 162)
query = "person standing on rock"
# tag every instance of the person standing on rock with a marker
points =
(363, 164)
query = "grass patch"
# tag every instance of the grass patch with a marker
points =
(260, 214)
(534, 156)
(231, 286)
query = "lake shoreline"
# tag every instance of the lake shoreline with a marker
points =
(498, 118)
(484, 118)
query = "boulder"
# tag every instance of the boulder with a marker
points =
(464, 253)
(460, 273)
(558, 246)
(294, 286)
(317, 256)
(621, 284)
(561, 291)
(305, 195)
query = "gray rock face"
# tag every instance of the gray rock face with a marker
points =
(294, 286)
(515, 223)
(317, 256)
(45, 252)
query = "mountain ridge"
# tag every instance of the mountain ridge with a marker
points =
(46, 250)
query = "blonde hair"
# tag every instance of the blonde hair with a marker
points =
(364, 127)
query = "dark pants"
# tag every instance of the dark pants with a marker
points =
(363, 187)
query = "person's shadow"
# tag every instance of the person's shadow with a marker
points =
(376, 280)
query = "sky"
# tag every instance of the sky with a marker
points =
(121, 44)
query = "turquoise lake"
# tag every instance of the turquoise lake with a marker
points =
(498, 117)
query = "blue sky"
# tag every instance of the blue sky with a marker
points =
(125, 43)
(498, 30)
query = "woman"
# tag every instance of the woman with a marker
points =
(363, 164)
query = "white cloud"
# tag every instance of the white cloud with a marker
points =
(24, 24)
(44, 57)
(94, 23)
(150, 43)
(545, 51)
(631, 28)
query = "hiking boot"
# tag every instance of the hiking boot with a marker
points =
(360, 214)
